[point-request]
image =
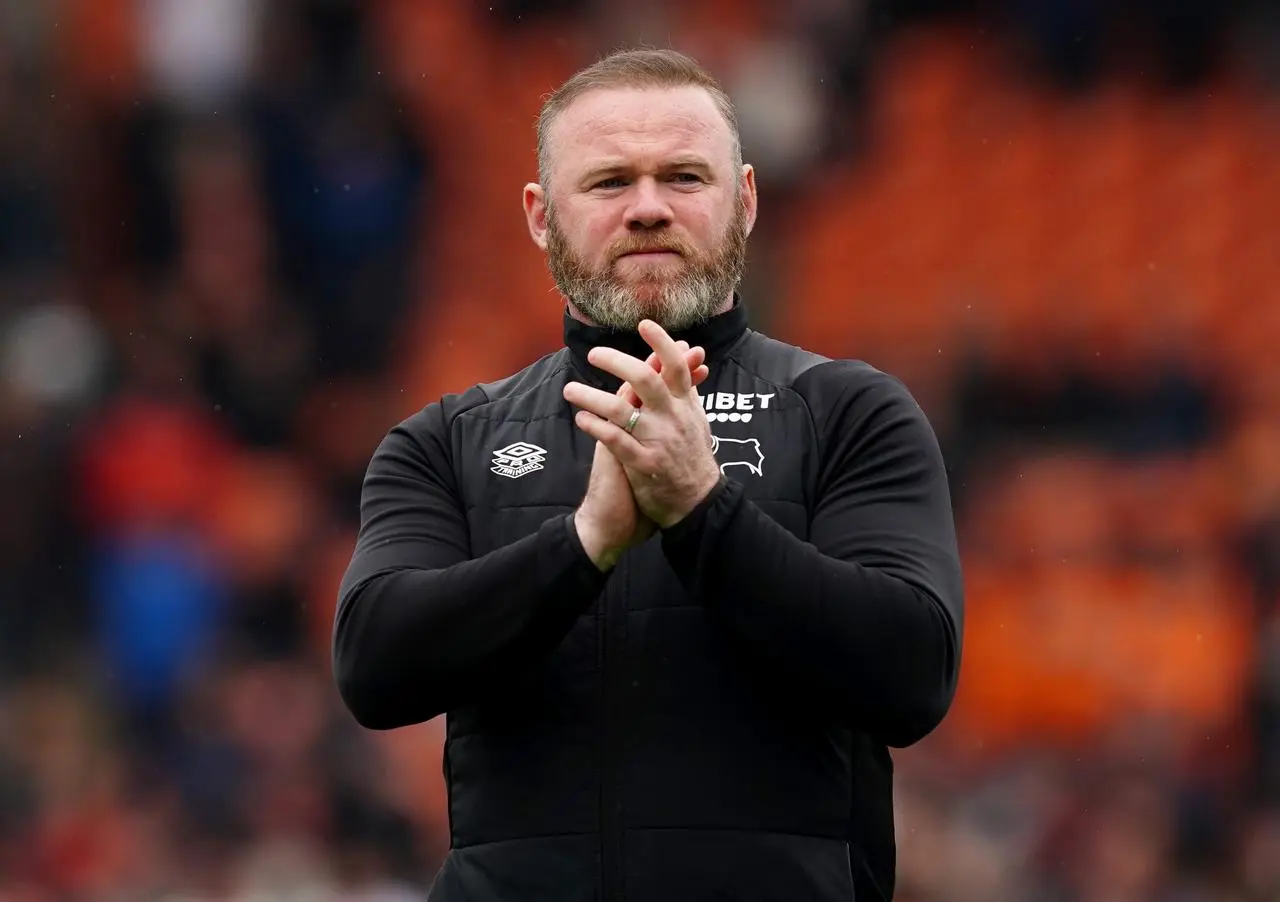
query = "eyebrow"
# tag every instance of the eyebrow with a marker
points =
(613, 167)
(689, 161)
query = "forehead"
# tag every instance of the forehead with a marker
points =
(639, 124)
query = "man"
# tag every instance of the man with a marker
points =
(674, 633)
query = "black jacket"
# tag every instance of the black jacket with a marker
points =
(710, 719)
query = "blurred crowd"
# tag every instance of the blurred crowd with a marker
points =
(239, 240)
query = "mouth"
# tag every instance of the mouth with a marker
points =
(651, 252)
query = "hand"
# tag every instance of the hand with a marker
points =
(667, 458)
(608, 521)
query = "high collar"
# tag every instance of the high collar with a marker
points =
(715, 336)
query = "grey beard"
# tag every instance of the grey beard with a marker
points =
(690, 299)
(685, 303)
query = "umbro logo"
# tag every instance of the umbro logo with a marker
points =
(518, 459)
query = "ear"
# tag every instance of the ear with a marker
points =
(535, 214)
(748, 191)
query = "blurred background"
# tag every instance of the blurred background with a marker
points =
(239, 240)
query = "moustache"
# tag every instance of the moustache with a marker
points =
(624, 248)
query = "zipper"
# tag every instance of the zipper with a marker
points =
(612, 636)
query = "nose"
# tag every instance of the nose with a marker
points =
(647, 210)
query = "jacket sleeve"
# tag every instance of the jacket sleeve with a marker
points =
(871, 607)
(421, 626)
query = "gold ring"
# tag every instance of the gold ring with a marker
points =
(631, 423)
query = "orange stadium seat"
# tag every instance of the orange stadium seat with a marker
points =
(1067, 651)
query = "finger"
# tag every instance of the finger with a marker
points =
(698, 373)
(674, 372)
(656, 362)
(620, 443)
(611, 407)
(693, 357)
(628, 394)
(648, 385)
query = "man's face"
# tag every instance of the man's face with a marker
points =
(645, 214)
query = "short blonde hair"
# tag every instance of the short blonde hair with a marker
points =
(639, 68)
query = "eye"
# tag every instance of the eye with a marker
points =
(609, 183)
(687, 178)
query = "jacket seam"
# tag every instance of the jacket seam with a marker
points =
(536, 387)
(479, 410)
(534, 418)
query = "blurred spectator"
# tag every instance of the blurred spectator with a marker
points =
(198, 55)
